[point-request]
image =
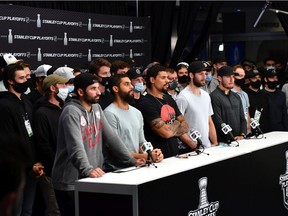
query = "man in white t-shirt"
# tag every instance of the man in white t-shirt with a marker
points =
(195, 104)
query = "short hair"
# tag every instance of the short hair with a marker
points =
(9, 73)
(153, 72)
(118, 64)
(115, 80)
(97, 63)
(269, 59)
(235, 67)
(170, 70)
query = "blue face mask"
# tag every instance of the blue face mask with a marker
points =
(70, 89)
(139, 87)
(208, 78)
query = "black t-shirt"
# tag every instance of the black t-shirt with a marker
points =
(166, 109)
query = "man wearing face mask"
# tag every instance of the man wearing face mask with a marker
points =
(208, 79)
(259, 108)
(238, 83)
(48, 111)
(182, 72)
(278, 119)
(137, 80)
(16, 117)
(100, 67)
(173, 89)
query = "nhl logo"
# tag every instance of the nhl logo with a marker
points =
(283, 181)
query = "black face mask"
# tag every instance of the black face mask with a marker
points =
(104, 81)
(20, 87)
(272, 85)
(29, 82)
(240, 82)
(183, 79)
(256, 84)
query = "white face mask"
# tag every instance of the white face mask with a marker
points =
(62, 94)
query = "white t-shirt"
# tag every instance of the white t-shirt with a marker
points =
(196, 110)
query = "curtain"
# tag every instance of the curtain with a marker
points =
(205, 32)
(187, 15)
(282, 17)
(161, 15)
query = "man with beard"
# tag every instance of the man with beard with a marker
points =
(227, 106)
(218, 62)
(278, 120)
(16, 117)
(163, 122)
(48, 110)
(195, 104)
(83, 130)
(126, 121)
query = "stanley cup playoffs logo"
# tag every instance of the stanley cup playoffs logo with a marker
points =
(284, 183)
(205, 208)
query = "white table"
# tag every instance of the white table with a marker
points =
(228, 169)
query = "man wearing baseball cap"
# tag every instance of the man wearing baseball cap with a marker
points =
(227, 106)
(195, 104)
(278, 119)
(83, 128)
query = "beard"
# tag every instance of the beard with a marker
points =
(197, 83)
(89, 99)
(126, 96)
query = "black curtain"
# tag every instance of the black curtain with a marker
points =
(161, 15)
(282, 17)
(205, 32)
(187, 15)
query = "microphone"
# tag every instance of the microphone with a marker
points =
(226, 129)
(195, 136)
(147, 148)
(255, 125)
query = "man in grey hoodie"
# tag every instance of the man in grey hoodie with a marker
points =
(83, 130)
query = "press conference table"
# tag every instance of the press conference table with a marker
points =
(230, 181)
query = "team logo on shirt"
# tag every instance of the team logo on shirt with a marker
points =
(97, 115)
(283, 181)
(83, 121)
(204, 208)
(168, 114)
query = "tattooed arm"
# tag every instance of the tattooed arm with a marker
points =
(165, 130)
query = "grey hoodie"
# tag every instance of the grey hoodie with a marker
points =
(79, 144)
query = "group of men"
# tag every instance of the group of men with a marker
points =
(93, 123)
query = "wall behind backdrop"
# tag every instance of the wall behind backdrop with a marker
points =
(56, 37)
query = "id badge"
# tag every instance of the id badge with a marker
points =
(28, 128)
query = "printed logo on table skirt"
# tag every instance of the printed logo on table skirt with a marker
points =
(283, 181)
(204, 208)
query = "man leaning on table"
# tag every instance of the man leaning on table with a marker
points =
(82, 131)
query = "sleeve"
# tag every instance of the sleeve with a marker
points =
(148, 110)
(112, 120)
(243, 121)
(141, 132)
(216, 105)
(42, 138)
(74, 144)
(114, 143)
(182, 104)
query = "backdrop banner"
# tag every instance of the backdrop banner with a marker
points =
(56, 37)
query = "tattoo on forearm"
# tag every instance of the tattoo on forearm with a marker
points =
(157, 123)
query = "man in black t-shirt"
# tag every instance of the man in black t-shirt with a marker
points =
(163, 122)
